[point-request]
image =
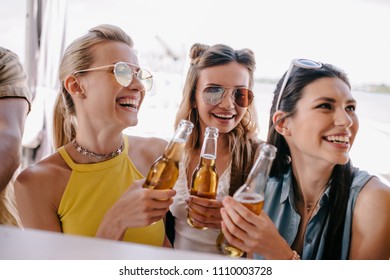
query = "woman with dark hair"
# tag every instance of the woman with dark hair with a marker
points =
(316, 205)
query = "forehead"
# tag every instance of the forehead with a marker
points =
(334, 88)
(110, 52)
(230, 75)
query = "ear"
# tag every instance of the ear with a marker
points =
(74, 87)
(281, 123)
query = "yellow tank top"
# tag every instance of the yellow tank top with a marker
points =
(93, 188)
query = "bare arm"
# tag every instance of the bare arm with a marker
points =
(371, 223)
(13, 113)
(38, 197)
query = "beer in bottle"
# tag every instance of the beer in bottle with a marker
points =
(205, 177)
(251, 194)
(165, 170)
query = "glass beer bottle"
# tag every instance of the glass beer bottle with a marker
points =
(165, 170)
(205, 177)
(251, 194)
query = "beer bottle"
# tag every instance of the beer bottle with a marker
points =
(251, 194)
(205, 177)
(165, 170)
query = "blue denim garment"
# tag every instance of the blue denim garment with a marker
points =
(279, 205)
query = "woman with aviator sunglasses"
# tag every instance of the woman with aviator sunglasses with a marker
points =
(317, 205)
(217, 93)
(92, 185)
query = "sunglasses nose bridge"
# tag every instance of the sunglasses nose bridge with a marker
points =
(231, 97)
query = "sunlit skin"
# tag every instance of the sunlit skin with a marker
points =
(324, 126)
(225, 116)
(319, 134)
(104, 108)
(107, 93)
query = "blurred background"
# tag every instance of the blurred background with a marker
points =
(352, 34)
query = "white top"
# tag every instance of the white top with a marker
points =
(186, 237)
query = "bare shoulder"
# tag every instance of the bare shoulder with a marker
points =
(375, 190)
(148, 144)
(46, 177)
(373, 203)
(143, 151)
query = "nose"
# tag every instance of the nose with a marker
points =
(227, 100)
(342, 118)
(136, 84)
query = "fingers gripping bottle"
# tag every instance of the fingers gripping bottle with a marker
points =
(205, 177)
(251, 194)
(165, 170)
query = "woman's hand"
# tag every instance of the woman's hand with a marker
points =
(205, 212)
(137, 207)
(252, 233)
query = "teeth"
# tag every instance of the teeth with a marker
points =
(225, 116)
(340, 139)
(128, 102)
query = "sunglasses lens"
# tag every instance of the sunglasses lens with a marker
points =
(123, 74)
(213, 95)
(307, 63)
(146, 78)
(243, 97)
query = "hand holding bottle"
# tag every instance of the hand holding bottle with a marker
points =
(252, 233)
(250, 195)
(137, 207)
(204, 178)
(210, 209)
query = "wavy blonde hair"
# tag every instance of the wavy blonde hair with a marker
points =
(78, 56)
(242, 137)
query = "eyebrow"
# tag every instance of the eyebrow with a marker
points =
(332, 100)
(218, 85)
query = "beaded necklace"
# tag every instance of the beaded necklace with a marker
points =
(86, 152)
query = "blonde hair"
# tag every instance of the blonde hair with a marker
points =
(242, 137)
(8, 213)
(79, 56)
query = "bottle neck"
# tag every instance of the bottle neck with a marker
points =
(209, 148)
(258, 176)
(176, 146)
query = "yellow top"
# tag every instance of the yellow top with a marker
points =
(93, 188)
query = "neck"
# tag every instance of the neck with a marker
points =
(309, 184)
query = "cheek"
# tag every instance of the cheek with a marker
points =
(241, 112)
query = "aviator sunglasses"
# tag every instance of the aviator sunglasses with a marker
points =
(214, 95)
(302, 63)
(124, 74)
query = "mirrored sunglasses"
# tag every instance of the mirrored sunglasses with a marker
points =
(214, 95)
(302, 63)
(124, 74)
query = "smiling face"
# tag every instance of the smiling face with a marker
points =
(108, 103)
(324, 125)
(226, 115)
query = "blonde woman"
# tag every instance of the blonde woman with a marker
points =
(92, 185)
(218, 93)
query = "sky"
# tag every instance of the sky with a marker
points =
(352, 34)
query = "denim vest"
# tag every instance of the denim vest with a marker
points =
(279, 205)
